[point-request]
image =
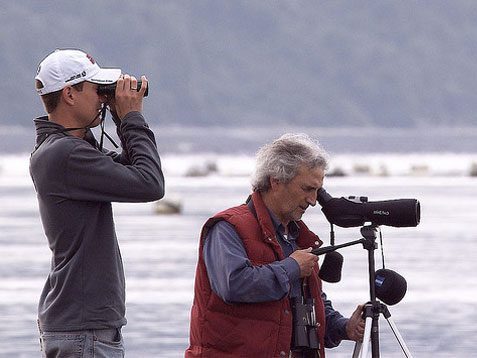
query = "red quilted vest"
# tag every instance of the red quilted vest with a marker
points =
(261, 330)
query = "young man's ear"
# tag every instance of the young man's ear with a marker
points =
(67, 94)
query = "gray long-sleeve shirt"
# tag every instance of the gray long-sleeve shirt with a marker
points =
(75, 184)
(234, 279)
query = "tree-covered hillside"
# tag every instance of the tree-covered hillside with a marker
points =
(267, 62)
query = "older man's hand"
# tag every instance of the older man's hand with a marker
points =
(355, 325)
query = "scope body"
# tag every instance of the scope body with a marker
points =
(356, 211)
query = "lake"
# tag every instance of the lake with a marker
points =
(436, 317)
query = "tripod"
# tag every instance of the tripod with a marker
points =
(373, 308)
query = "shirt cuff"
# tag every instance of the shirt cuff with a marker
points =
(292, 268)
(134, 117)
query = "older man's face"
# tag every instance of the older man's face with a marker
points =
(295, 197)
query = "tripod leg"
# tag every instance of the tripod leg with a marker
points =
(357, 349)
(398, 337)
(361, 349)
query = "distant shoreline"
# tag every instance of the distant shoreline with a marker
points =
(246, 140)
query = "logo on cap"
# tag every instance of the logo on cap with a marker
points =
(79, 75)
(90, 58)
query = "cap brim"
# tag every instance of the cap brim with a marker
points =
(106, 76)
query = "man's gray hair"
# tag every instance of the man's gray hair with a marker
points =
(281, 159)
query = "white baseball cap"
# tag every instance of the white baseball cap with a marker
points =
(66, 67)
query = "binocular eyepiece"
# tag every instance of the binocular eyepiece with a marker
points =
(110, 89)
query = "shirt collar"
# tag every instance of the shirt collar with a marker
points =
(293, 229)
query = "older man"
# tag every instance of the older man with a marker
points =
(257, 290)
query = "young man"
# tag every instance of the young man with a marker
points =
(82, 306)
(255, 267)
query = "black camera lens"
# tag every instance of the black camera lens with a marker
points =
(110, 89)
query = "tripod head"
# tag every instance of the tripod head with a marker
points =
(385, 284)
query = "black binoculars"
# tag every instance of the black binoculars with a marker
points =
(110, 89)
(305, 326)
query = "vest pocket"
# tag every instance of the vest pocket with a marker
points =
(241, 337)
